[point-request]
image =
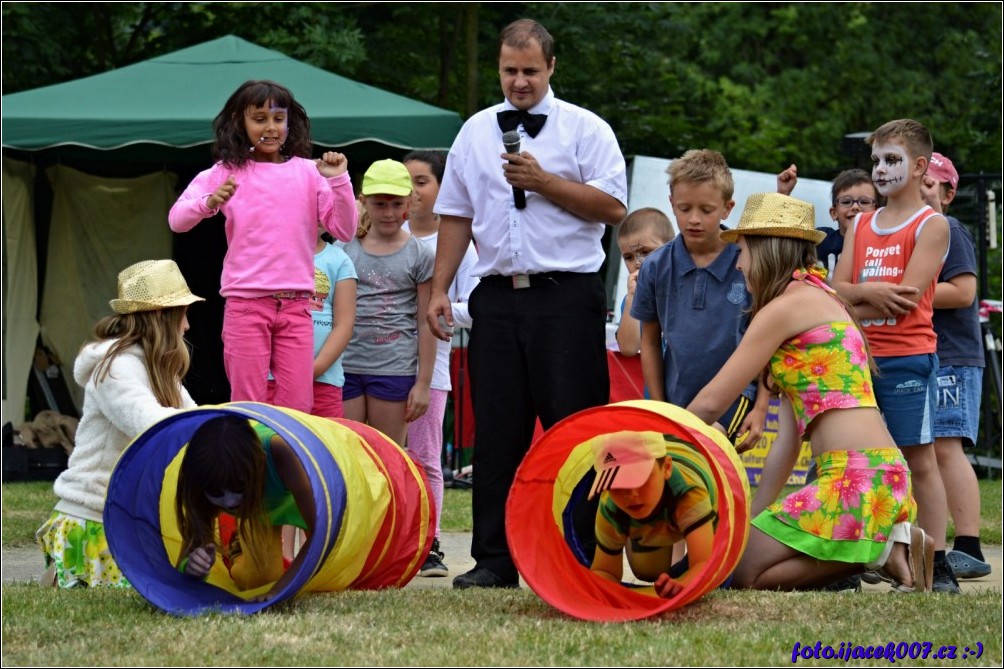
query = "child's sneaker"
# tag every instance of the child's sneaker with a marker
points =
(434, 565)
(944, 579)
(966, 566)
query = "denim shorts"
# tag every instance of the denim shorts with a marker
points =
(959, 392)
(905, 390)
(387, 388)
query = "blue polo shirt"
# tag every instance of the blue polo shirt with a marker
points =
(701, 311)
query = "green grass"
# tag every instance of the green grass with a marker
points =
(442, 627)
(26, 505)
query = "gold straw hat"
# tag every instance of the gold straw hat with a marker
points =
(776, 215)
(150, 285)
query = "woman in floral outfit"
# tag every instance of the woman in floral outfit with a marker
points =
(803, 341)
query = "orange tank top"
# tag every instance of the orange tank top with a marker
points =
(882, 255)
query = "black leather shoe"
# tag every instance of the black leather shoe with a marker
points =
(480, 577)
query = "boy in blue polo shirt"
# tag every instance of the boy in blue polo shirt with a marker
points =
(691, 296)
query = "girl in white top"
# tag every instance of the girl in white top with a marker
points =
(132, 378)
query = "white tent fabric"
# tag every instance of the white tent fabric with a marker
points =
(99, 227)
(20, 296)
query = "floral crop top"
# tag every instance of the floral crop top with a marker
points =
(825, 367)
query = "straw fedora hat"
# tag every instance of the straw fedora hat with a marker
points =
(776, 215)
(150, 285)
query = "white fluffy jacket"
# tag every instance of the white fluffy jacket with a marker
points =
(115, 412)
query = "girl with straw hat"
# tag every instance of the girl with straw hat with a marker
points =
(131, 376)
(803, 341)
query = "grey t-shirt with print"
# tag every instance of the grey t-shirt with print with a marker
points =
(385, 336)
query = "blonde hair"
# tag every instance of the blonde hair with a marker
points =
(364, 223)
(700, 166)
(165, 353)
(647, 219)
(911, 134)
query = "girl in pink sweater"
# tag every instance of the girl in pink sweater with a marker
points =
(272, 195)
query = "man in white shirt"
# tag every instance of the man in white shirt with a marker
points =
(537, 346)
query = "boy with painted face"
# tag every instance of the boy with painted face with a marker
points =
(888, 270)
(647, 504)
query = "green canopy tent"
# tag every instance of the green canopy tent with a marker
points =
(170, 102)
(91, 166)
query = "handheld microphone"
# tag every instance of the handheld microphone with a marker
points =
(510, 140)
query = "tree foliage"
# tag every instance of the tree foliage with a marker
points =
(765, 83)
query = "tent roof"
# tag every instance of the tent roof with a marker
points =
(172, 100)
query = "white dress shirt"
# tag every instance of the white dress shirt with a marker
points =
(574, 144)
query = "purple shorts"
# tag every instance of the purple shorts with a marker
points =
(387, 388)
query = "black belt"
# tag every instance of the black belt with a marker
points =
(517, 281)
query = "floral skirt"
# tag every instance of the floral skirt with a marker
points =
(78, 550)
(849, 513)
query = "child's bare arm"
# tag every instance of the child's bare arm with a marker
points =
(651, 360)
(610, 567)
(629, 330)
(343, 317)
(956, 293)
(699, 546)
(780, 459)
(927, 257)
(418, 398)
(295, 478)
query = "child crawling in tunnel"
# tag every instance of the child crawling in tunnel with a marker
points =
(252, 474)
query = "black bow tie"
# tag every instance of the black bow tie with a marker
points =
(510, 119)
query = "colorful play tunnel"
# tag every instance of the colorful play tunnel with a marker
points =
(372, 515)
(551, 538)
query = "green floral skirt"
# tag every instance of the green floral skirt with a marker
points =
(849, 512)
(78, 550)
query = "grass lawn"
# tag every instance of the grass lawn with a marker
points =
(443, 627)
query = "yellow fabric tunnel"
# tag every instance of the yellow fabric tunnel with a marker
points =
(372, 514)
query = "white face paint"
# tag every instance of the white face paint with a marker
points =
(890, 167)
(226, 499)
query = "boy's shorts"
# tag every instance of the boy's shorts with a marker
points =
(733, 419)
(905, 391)
(959, 390)
(387, 388)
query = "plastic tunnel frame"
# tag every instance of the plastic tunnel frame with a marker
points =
(379, 541)
(554, 475)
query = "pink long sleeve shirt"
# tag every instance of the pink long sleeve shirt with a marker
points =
(271, 222)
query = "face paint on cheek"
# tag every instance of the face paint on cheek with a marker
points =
(889, 172)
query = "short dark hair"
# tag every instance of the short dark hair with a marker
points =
(850, 178)
(519, 33)
(436, 160)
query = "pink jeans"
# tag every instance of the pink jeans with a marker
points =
(265, 334)
(425, 446)
(327, 399)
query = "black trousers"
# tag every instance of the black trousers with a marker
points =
(534, 352)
